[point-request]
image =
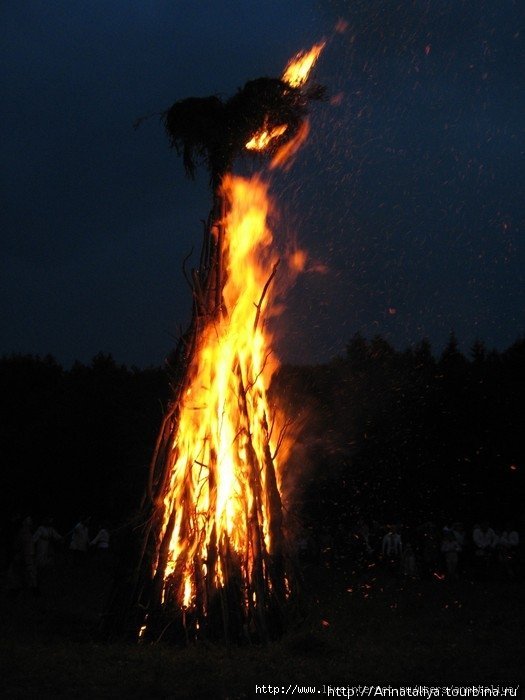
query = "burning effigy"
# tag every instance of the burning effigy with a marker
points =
(211, 557)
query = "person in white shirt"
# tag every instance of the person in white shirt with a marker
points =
(22, 571)
(79, 543)
(101, 541)
(392, 545)
(101, 545)
(484, 539)
(80, 536)
(459, 534)
(510, 538)
(43, 540)
(409, 562)
(392, 548)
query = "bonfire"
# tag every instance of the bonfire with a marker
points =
(210, 559)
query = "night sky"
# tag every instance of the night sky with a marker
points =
(409, 195)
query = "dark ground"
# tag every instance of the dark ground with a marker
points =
(384, 631)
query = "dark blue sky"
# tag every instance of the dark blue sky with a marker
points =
(410, 190)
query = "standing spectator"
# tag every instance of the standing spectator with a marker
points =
(510, 537)
(409, 562)
(101, 544)
(450, 548)
(10, 530)
(302, 545)
(484, 539)
(508, 550)
(392, 548)
(392, 545)
(458, 530)
(79, 541)
(22, 571)
(364, 534)
(43, 540)
(460, 535)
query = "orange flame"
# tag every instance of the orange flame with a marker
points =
(284, 156)
(211, 493)
(262, 138)
(298, 70)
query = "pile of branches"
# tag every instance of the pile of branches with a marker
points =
(210, 131)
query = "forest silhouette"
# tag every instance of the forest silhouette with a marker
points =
(380, 434)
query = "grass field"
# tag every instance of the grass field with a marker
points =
(397, 632)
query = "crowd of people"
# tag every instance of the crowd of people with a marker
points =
(29, 552)
(451, 550)
(423, 551)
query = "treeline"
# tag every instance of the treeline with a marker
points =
(378, 433)
(408, 437)
(76, 442)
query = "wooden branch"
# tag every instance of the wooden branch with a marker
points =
(265, 289)
(198, 294)
(190, 284)
(252, 383)
(203, 262)
(282, 435)
(160, 445)
(219, 282)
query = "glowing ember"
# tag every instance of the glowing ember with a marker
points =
(297, 260)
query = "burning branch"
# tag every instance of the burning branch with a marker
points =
(265, 289)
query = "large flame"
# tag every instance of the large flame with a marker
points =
(223, 448)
